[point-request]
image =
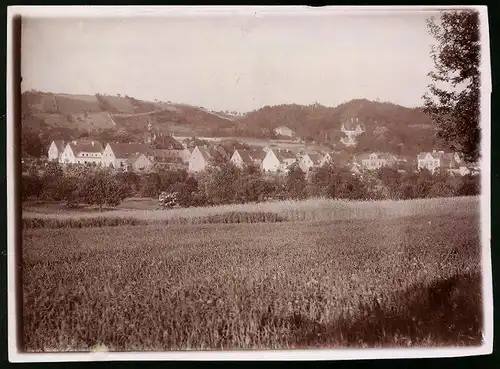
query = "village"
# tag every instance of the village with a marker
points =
(276, 157)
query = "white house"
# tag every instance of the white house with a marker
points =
(202, 156)
(275, 161)
(56, 149)
(117, 155)
(139, 162)
(352, 128)
(435, 160)
(376, 160)
(327, 159)
(284, 131)
(82, 152)
(242, 157)
(309, 161)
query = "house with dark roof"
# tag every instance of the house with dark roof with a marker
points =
(202, 156)
(118, 155)
(376, 160)
(439, 160)
(82, 152)
(56, 149)
(242, 157)
(278, 160)
(139, 162)
(310, 160)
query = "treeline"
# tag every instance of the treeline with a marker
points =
(228, 184)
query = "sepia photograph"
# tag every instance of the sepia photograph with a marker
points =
(202, 183)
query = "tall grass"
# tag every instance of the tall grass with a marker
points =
(307, 210)
(373, 283)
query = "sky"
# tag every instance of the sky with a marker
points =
(239, 62)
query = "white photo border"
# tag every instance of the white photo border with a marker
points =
(297, 355)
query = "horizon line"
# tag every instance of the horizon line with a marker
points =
(125, 95)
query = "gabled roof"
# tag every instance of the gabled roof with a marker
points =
(245, 156)
(380, 155)
(79, 146)
(211, 152)
(249, 156)
(315, 158)
(284, 155)
(59, 145)
(434, 154)
(167, 143)
(133, 157)
(257, 154)
(125, 150)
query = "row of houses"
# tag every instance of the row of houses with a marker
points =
(126, 156)
(142, 157)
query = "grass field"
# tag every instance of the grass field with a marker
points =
(143, 210)
(410, 279)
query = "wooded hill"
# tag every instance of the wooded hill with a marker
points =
(389, 127)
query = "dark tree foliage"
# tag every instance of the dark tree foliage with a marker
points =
(102, 188)
(453, 99)
(295, 184)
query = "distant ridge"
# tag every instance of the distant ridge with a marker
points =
(389, 127)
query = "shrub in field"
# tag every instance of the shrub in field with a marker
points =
(218, 184)
(31, 186)
(101, 188)
(295, 184)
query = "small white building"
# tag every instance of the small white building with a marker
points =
(374, 160)
(202, 156)
(56, 149)
(436, 160)
(284, 131)
(327, 159)
(139, 162)
(309, 161)
(118, 155)
(82, 152)
(278, 161)
(242, 158)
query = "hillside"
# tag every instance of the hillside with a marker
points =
(51, 112)
(389, 127)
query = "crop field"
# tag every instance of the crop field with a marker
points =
(143, 210)
(411, 279)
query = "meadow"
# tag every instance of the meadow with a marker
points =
(322, 274)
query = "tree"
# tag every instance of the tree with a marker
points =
(453, 99)
(295, 183)
(31, 185)
(219, 184)
(31, 144)
(102, 188)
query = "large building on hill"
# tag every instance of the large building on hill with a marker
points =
(351, 129)
(284, 131)
(82, 152)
